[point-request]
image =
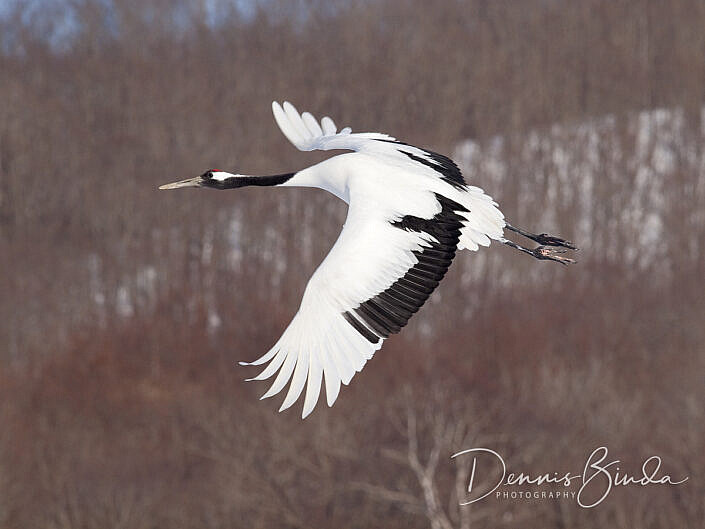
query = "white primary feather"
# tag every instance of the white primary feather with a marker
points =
(307, 135)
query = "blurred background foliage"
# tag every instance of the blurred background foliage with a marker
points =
(123, 310)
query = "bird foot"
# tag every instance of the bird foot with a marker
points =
(547, 253)
(549, 240)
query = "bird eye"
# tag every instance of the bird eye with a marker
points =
(207, 175)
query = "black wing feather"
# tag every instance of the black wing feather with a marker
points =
(387, 312)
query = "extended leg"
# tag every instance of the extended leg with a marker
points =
(545, 253)
(544, 238)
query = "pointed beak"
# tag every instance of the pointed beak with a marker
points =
(189, 182)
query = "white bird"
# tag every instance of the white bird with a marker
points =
(409, 211)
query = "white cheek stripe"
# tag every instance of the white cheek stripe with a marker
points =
(222, 175)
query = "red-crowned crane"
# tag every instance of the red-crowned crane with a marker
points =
(409, 211)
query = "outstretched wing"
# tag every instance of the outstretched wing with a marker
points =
(307, 134)
(376, 276)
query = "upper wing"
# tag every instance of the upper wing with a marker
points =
(307, 135)
(376, 276)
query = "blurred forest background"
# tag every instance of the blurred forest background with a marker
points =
(123, 309)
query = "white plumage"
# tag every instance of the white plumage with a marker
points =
(409, 212)
(381, 185)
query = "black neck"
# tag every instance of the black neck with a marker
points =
(243, 181)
